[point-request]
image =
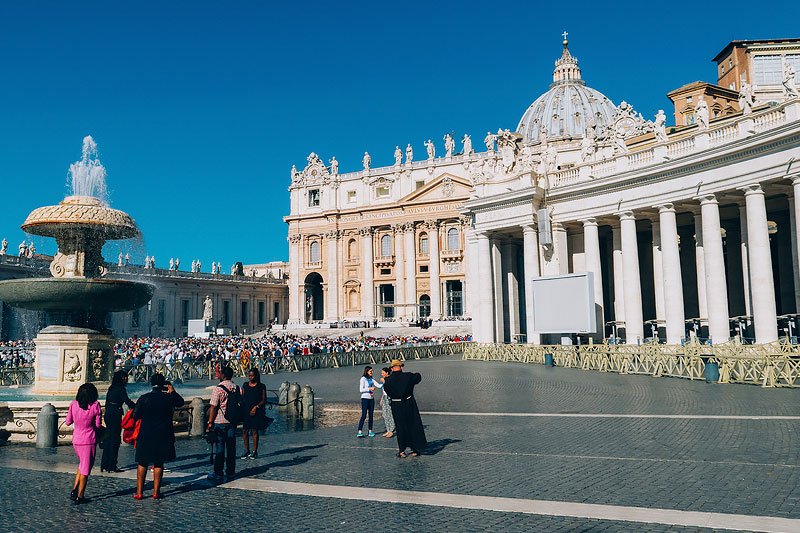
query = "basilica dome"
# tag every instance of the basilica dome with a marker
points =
(568, 108)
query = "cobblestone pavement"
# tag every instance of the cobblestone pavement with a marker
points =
(733, 464)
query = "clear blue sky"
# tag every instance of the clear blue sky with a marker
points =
(201, 108)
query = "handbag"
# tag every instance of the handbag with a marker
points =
(130, 428)
(100, 435)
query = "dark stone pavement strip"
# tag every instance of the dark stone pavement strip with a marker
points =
(726, 466)
(199, 507)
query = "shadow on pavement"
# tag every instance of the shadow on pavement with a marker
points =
(260, 469)
(436, 446)
(297, 449)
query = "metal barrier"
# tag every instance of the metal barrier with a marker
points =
(768, 365)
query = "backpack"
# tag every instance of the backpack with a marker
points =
(234, 408)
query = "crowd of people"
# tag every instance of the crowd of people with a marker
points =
(16, 354)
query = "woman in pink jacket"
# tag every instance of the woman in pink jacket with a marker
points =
(84, 412)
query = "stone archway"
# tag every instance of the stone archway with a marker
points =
(314, 304)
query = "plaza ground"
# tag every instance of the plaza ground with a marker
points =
(513, 448)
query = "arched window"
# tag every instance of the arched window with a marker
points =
(352, 250)
(386, 246)
(352, 299)
(423, 244)
(453, 240)
(314, 252)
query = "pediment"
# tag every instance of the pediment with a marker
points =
(445, 187)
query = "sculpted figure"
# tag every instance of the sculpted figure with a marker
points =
(194, 266)
(789, 88)
(489, 141)
(746, 98)
(398, 156)
(334, 166)
(431, 149)
(208, 309)
(3, 247)
(31, 250)
(127, 259)
(660, 127)
(449, 145)
(587, 149)
(177, 264)
(198, 265)
(171, 263)
(409, 154)
(619, 142)
(23, 249)
(701, 114)
(294, 172)
(367, 160)
(467, 143)
(120, 258)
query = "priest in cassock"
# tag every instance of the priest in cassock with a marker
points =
(400, 388)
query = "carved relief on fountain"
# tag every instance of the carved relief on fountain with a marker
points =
(72, 365)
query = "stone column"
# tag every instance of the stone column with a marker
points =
(619, 283)
(716, 282)
(367, 284)
(700, 261)
(530, 242)
(486, 319)
(795, 260)
(748, 309)
(433, 269)
(411, 271)
(658, 274)
(765, 320)
(499, 295)
(509, 251)
(296, 315)
(672, 287)
(591, 249)
(399, 271)
(561, 249)
(632, 291)
(332, 307)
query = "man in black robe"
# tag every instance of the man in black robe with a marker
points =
(400, 388)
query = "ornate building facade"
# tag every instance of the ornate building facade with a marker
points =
(688, 230)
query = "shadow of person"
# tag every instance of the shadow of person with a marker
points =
(436, 446)
(260, 469)
(297, 449)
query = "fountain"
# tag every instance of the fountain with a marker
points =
(77, 347)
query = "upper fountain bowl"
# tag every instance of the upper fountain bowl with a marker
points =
(80, 212)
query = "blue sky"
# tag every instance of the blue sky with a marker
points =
(201, 108)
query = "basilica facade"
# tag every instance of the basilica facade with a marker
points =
(688, 230)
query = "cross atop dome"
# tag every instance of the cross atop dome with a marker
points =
(567, 69)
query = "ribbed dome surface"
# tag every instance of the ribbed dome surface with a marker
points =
(567, 109)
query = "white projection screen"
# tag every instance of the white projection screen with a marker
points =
(564, 304)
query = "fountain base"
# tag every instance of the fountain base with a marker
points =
(67, 357)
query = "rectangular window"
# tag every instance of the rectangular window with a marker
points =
(423, 268)
(313, 198)
(262, 313)
(276, 311)
(382, 192)
(768, 70)
(226, 313)
(161, 319)
(135, 318)
(245, 308)
(386, 272)
(184, 312)
(351, 197)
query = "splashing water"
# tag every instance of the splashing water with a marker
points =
(88, 176)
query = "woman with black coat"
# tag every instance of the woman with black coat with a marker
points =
(116, 396)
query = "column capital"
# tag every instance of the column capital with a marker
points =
(591, 221)
(482, 234)
(667, 207)
(332, 234)
(753, 188)
(626, 215)
(706, 199)
(399, 228)
(366, 231)
(794, 178)
(432, 225)
(528, 228)
(295, 238)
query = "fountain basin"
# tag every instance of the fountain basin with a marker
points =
(95, 295)
(80, 213)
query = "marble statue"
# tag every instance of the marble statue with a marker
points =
(409, 154)
(398, 156)
(467, 144)
(431, 149)
(208, 309)
(127, 259)
(789, 87)
(294, 172)
(449, 145)
(120, 259)
(23, 249)
(588, 148)
(619, 142)
(551, 159)
(3, 247)
(660, 126)
(194, 266)
(199, 266)
(171, 263)
(746, 98)
(177, 264)
(591, 129)
(367, 160)
(701, 114)
(489, 141)
(334, 166)
(31, 250)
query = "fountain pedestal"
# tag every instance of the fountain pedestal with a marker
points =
(68, 357)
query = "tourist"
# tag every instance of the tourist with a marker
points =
(254, 397)
(366, 386)
(386, 405)
(155, 444)
(400, 388)
(116, 396)
(224, 431)
(84, 413)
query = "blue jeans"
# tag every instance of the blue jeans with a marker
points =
(225, 449)
(367, 406)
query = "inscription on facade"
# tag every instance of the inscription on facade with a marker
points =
(47, 358)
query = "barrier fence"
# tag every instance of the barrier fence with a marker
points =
(768, 365)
